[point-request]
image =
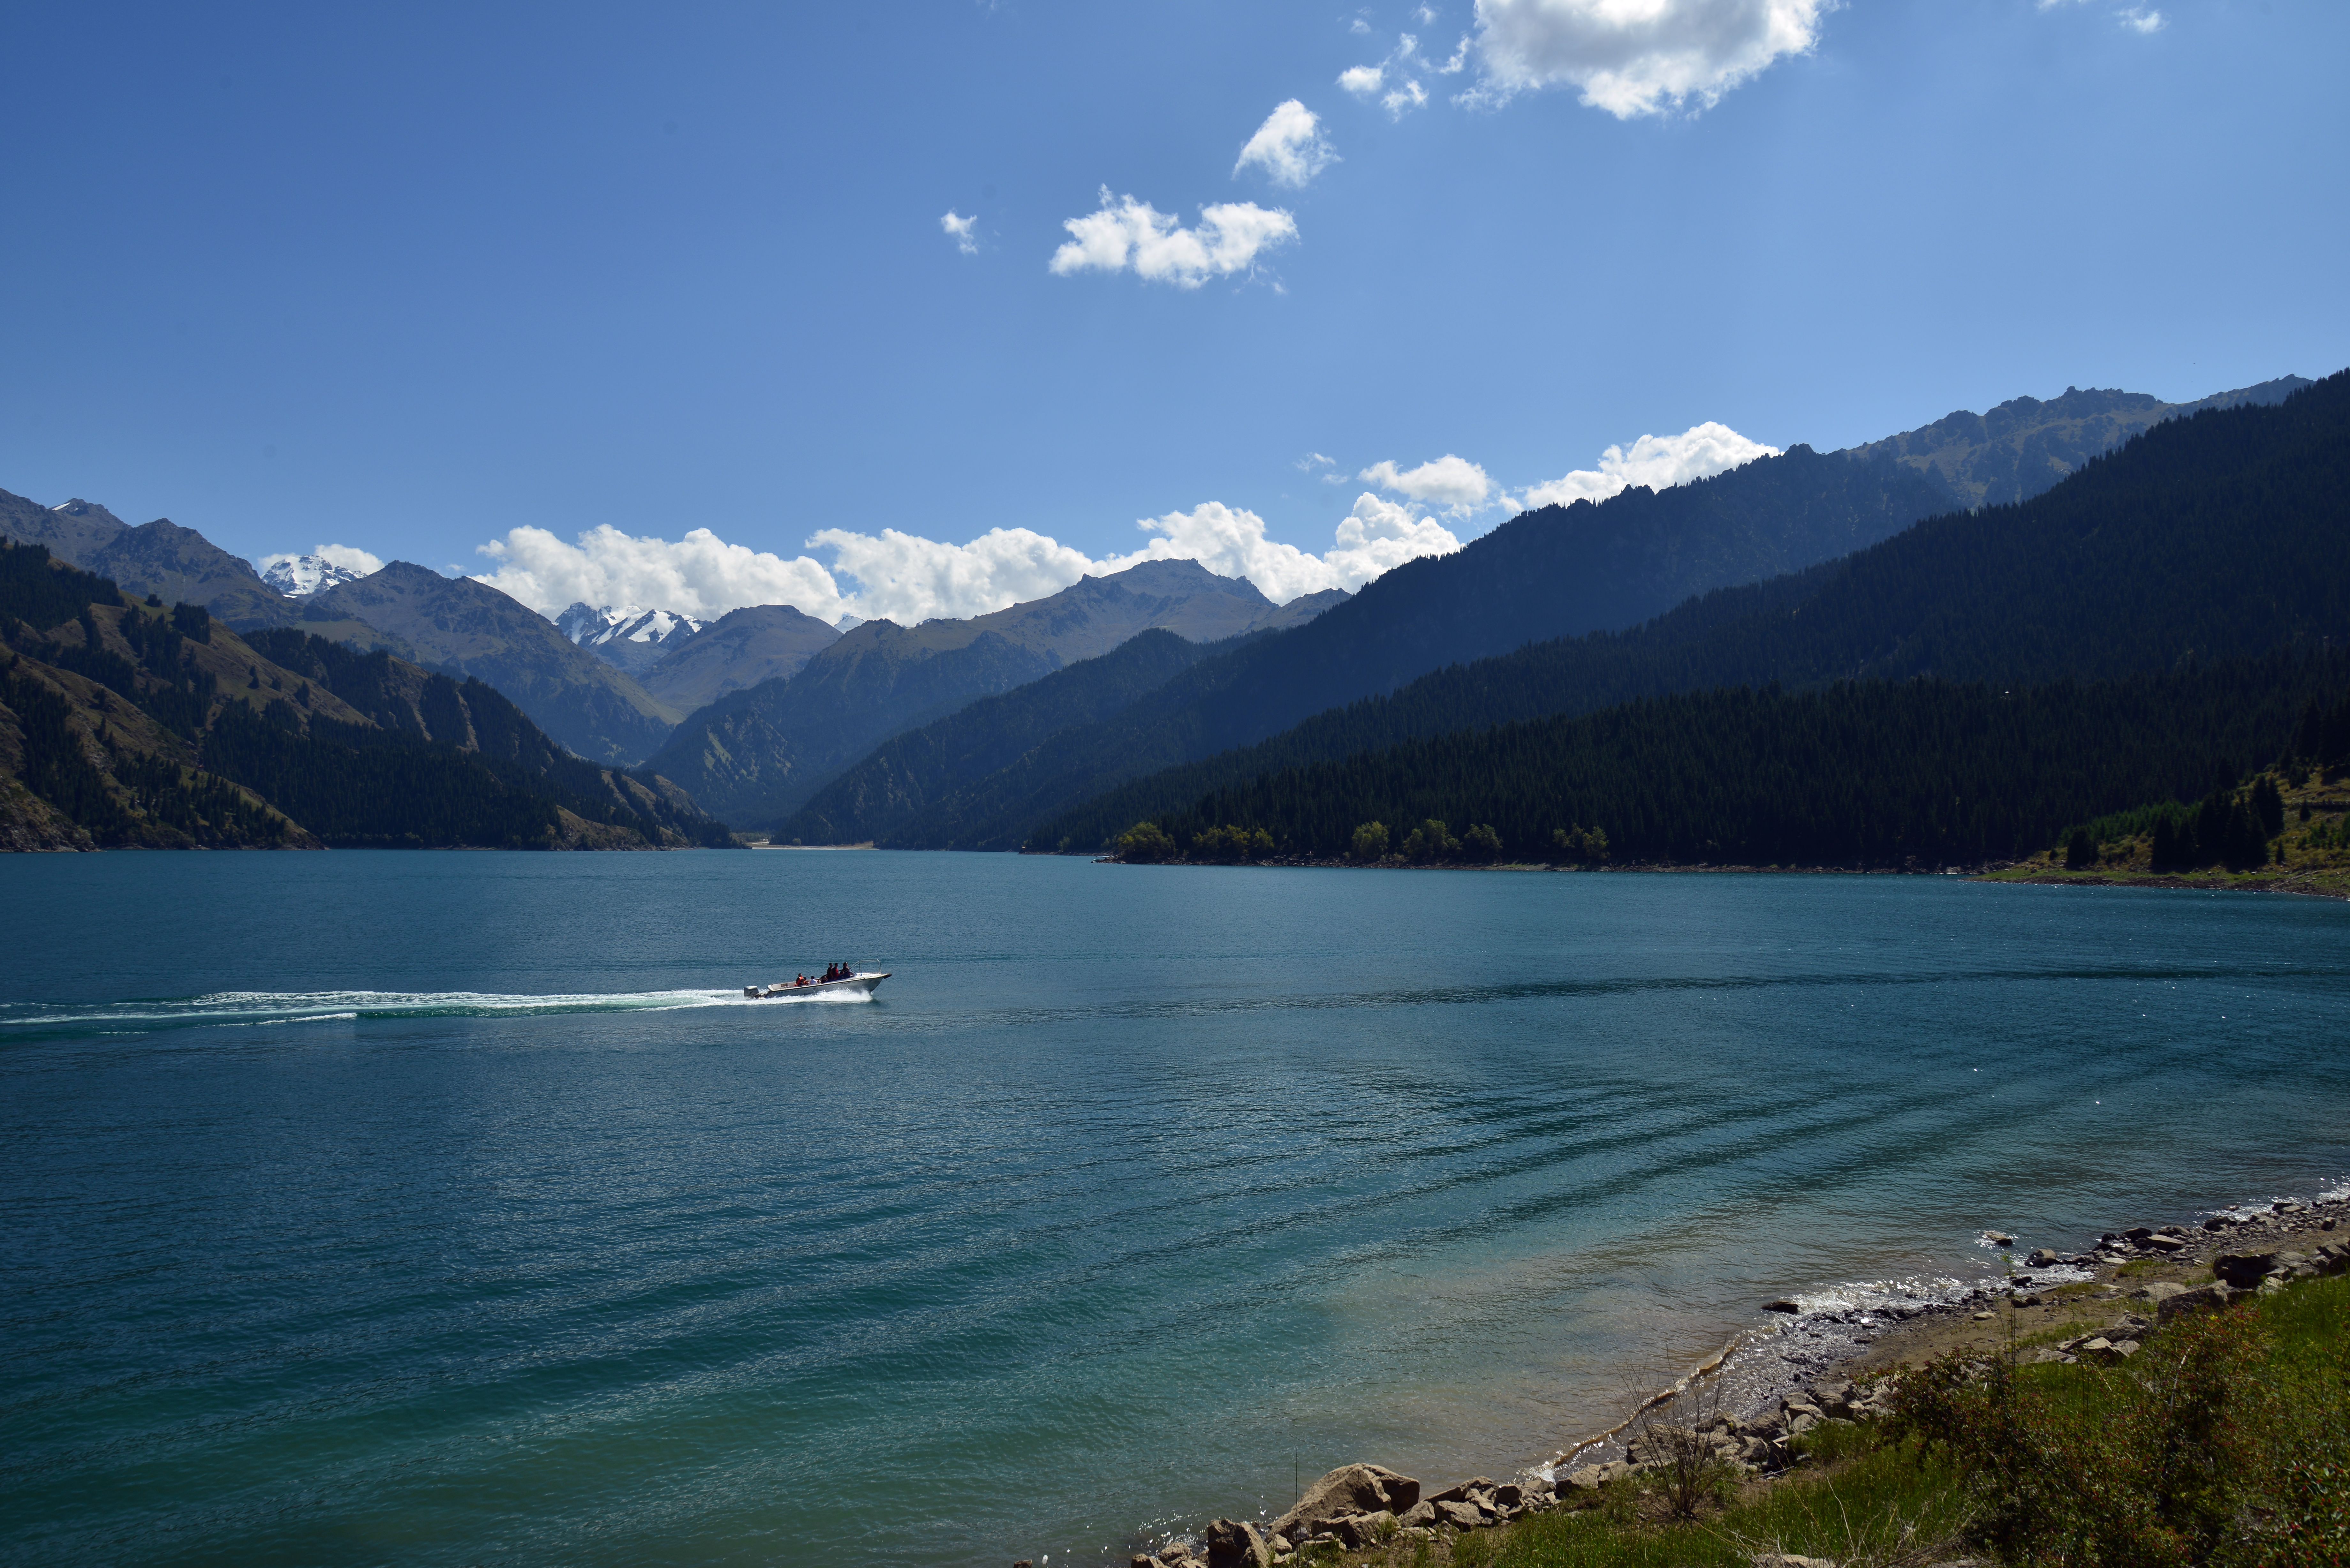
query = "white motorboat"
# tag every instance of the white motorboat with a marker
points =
(860, 984)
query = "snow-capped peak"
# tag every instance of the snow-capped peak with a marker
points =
(596, 626)
(298, 577)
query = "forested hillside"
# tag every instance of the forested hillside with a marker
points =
(2215, 536)
(918, 786)
(124, 723)
(467, 628)
(760, 754)
(1859, 773)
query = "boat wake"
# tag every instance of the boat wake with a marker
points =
(253, 1009)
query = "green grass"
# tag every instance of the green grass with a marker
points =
(2225, 1442)
(1875, 1501)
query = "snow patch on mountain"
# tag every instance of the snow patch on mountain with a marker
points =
(299, 577)
(593, 625)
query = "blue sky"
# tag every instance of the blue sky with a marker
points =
(409, 279)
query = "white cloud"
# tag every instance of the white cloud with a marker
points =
(1371, 82)
(1450, 481)
(1656, 462)
(1125, 232)
(1359, 26)
(1376, 536)
(2140, 19)
(1314, 459)
(908, 580)
(1289, 146)
(1410, 96)
(1459, 59)
(962, 230)
(1639, 56)
(699, 574)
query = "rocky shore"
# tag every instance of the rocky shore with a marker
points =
(1746, 1407)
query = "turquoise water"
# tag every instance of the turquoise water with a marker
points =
(452, 1209)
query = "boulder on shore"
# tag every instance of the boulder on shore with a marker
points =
(1348, 1489)
(1234, 1543)
(2243, 1269)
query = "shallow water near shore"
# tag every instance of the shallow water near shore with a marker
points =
(454, 1209)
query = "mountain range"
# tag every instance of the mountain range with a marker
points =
(757, 755)
(125, 724)
(2208, 539)
(769, 716)
(1557, 572)
(627, 637)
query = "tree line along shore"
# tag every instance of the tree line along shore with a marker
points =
(2137, 780)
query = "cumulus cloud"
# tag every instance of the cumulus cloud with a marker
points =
(962, 230)
(1448, 481)
(1363, 81)
(908, 580)
(1633, 57)
(1127, 232)
(1404, 96)
(2143, 19)
(1656, 462)
(1374, 537)
(1289, 146)
(699, 574)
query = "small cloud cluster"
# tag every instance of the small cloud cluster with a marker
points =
(1126, 232)
(2140, 19)
(1656, 462)
(1653, 58)
(963, 231)
(1288, 146)
(1392, 83)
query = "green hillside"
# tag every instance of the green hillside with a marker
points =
(2219, 536)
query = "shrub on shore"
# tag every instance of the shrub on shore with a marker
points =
(2226, 1441)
